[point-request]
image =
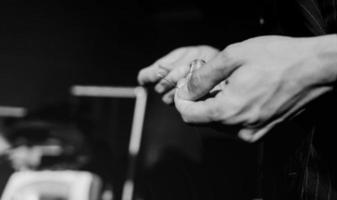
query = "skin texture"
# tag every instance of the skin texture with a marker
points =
(269, 79)
(166, 71)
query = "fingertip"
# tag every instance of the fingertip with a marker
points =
(159, 88)
(167, 99)
(140, 77)
(151, 74)
(145, 75)
(253, 135)
(246, 135)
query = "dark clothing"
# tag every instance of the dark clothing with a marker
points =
(300, 17)
(299, 160)
(329, 14)
(320, 15)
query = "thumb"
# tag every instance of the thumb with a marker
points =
(205, 78)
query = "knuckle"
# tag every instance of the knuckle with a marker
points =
(215, 114)
(204, 46)
(207, 48)
(183, 48)
(230, 51)
(194, 51)
(178, 51)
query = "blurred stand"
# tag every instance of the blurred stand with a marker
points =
(7, 114)
(46, 139)
(116, 127)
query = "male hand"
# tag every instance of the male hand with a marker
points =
(166, 71)
(268, 80)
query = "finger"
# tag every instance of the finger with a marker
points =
(198, 112)
(179, 70)
(173, 56)
(205, 78)
(161, 67)
(170, 80)
(152, 74)
(252, 134)
(168, 98)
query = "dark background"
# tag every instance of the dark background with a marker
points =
(47, 46)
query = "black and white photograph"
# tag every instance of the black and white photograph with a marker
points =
(168, 100)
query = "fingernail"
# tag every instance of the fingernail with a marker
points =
(196, 64)
(159, 88)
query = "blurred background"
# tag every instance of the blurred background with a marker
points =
(48, 46)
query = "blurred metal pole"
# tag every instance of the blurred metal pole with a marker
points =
(140, 95)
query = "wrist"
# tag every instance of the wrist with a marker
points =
(325, 51)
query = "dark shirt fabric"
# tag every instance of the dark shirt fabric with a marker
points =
(300, 17)
(299, 159)
(320, 15)
(328, 10)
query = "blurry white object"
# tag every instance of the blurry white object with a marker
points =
(4, 144)
(39, 185)
(29, 157)
(10, 111)
(140, 95)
